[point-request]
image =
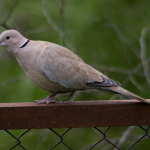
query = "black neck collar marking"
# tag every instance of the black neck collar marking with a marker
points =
(24, 44)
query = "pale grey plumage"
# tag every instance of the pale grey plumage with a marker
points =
(57, 69)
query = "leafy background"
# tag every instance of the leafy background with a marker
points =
(112, 36)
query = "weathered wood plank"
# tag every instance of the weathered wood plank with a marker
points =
(75, 114)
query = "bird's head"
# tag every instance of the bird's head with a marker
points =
(12, 39)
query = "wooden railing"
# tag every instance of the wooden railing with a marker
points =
(75, 114)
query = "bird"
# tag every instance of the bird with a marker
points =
(56, 69)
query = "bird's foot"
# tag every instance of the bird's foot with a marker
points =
(45, 101)
(69, 97)
(48, 100)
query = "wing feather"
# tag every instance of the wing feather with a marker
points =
(66, 68)
(63, 67)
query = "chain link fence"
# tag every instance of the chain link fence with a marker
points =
(103, 137)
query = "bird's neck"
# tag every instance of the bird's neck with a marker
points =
(26, 56)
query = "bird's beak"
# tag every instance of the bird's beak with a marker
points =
(1, 43)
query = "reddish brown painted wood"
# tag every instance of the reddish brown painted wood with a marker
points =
(75, 114)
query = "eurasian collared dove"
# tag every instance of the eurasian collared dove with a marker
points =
(56, 69)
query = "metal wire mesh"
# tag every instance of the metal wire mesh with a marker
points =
(61, 139)
(104, 137)
(17, 139)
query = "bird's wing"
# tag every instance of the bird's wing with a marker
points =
(66, 68)
(100, 80)
(63, 66)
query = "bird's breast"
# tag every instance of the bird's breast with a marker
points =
(39, 79)
(35, 74)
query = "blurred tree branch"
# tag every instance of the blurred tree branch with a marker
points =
(120, 70)
(12, 81)
(49, 19)
(125, 135)
(54, 26)
(63, 20)
(134, 82)
(123, 39)
(143, 53)
(3, 24)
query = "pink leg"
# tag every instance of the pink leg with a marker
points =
(70, 97)
(48, 100)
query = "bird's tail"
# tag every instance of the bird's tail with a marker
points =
(124, 92)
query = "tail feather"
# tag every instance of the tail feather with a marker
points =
(124, 92)
(116, 89)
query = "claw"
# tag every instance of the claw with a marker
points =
(48, 100)
(40, 101)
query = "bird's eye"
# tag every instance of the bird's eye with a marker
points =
(7, 37)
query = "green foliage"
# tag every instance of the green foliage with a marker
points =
(104, 33)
